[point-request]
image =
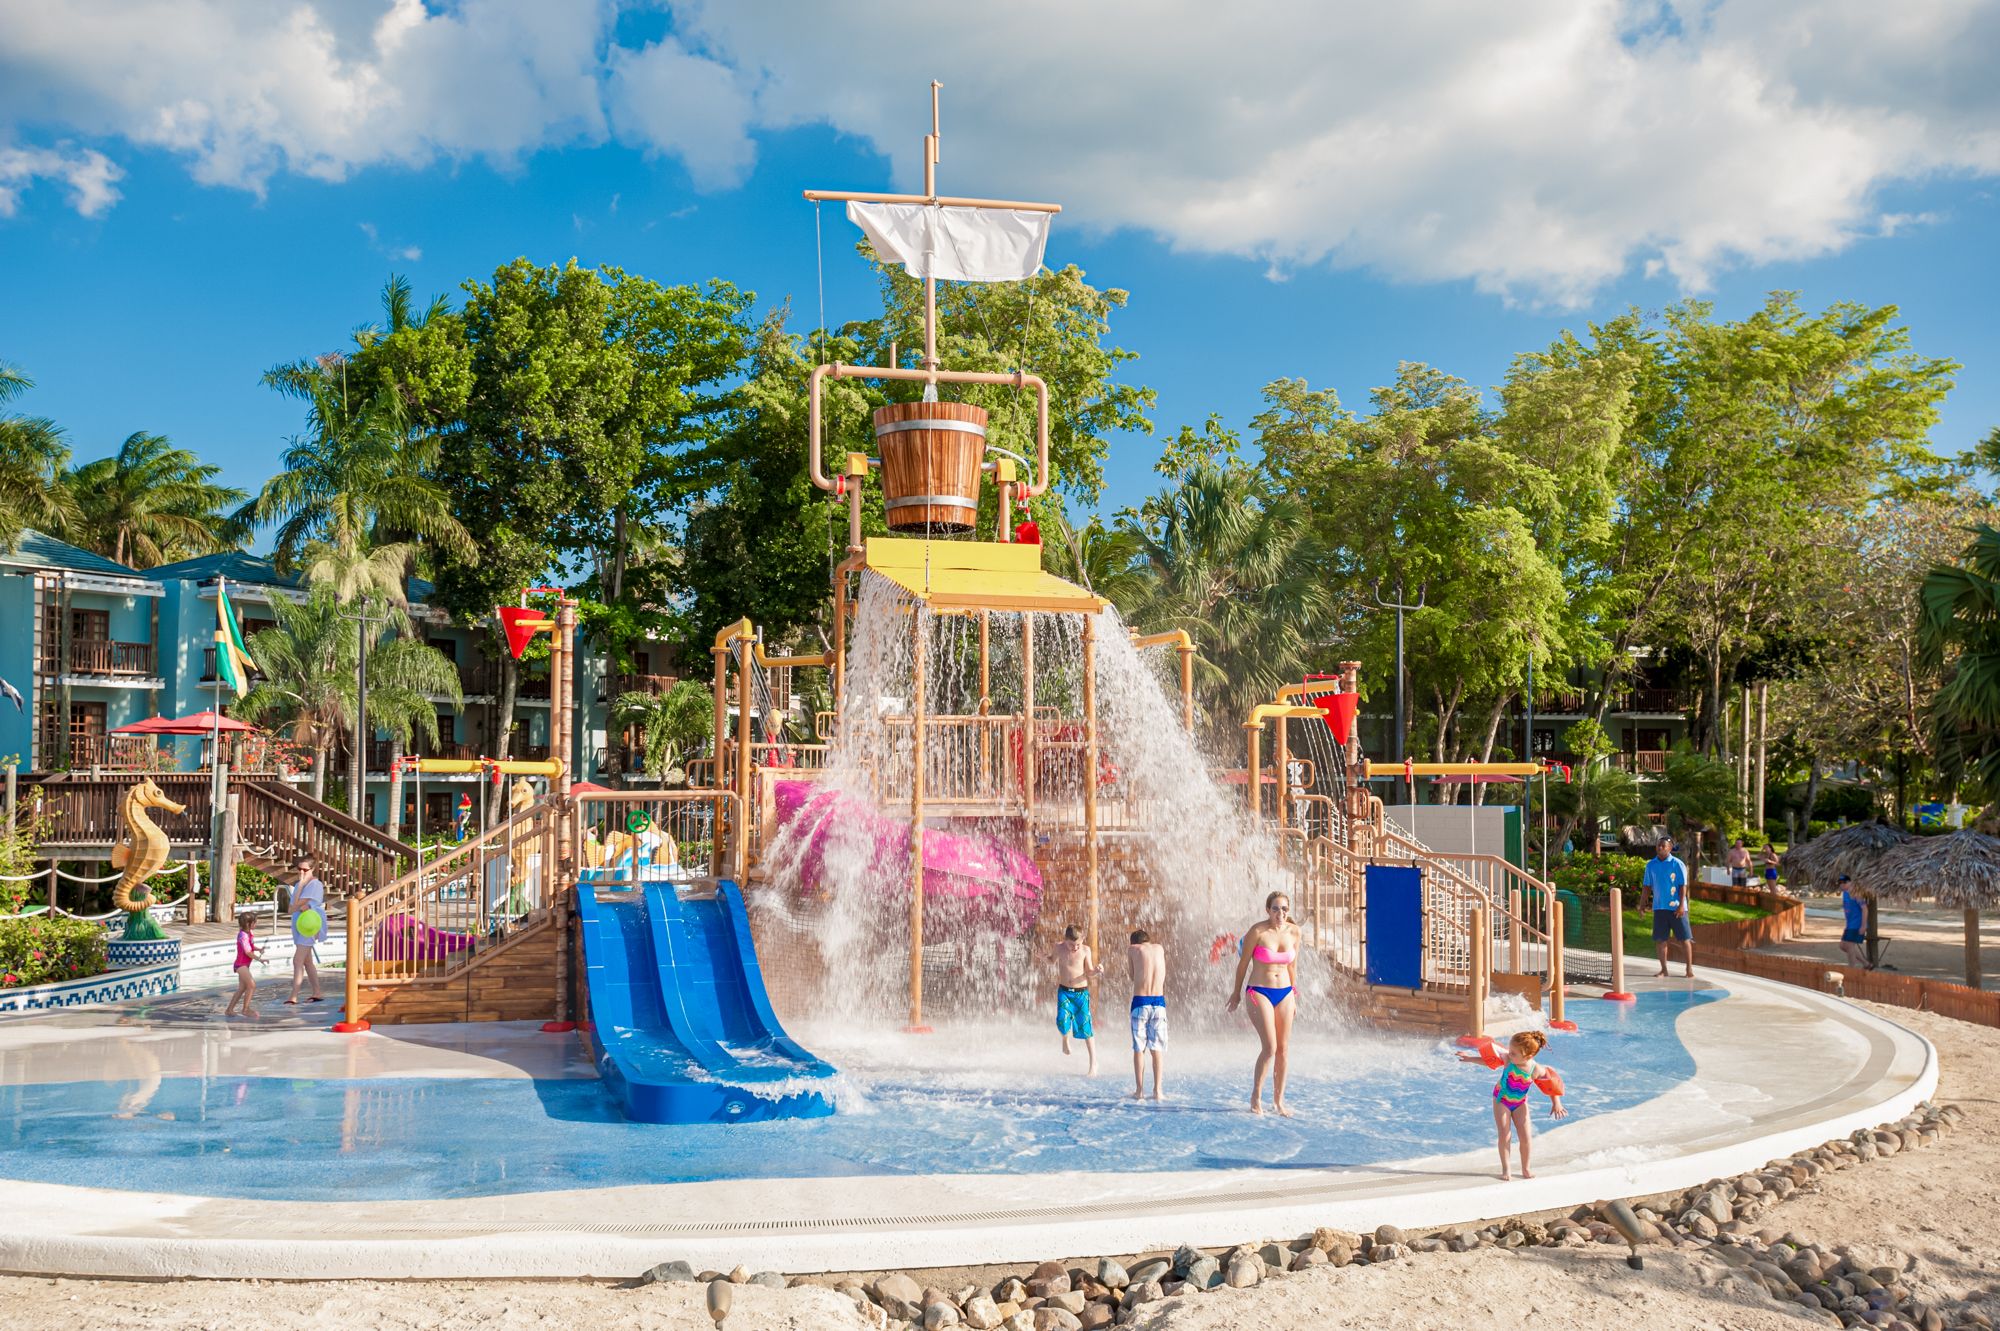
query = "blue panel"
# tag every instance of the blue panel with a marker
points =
(1395, 925)
(683, 1028)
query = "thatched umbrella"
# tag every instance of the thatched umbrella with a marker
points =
(1961, 869)
(1849, 850)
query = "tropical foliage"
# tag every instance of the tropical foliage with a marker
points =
(151, 503)
(673, 726)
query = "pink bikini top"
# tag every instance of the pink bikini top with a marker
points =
(1264, 956)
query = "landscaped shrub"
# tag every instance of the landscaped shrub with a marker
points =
(1595, 875)
(43, 951)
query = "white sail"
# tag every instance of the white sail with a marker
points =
(955, 244)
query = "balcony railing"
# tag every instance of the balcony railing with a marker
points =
(649, 684)
(1649, 701)
(91, 656)
(1651, 762)
(378, 752)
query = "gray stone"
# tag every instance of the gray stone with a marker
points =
(1041, 1287)
(981, 1313)
(1147, 1291)
(768, 1280)
(1204, 1272)
(1111, 1275)
(1714, 1204)
(1010, 1290)
(1388, 1234)
(1311, 1257)
(1274, 1256)
(669, 1273)
(1097, 1315)
(1243, 1273)
(1070, 1301)
(1020, 1321)
(940, 1314)
(1158, 1268)
(1186, 1256)
(1056, 1319)
(899, 1287)
(1389, 1252)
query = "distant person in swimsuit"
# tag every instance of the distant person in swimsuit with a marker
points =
(1147, 962)
(1076, 964)
(1770, 866)
(1739, 865)
(1519, 1073)
(247, 955)
(1272, 948)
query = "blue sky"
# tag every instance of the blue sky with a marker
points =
(224, 253)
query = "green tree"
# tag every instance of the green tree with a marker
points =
(33, 461)
(1959, 636)
(1595, 794)
(307, 664)
(151, 503)
(1697, 794)
(1239, 568)
(673, 726)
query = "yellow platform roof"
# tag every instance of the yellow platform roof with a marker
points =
(976, 575)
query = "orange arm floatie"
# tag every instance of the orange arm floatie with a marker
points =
(1491, 1056)
(1550, 1083)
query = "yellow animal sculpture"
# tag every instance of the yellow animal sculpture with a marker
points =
(520, 795)
(140, 853)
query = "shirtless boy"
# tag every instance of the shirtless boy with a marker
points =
(1147, 961)
(1075, 966)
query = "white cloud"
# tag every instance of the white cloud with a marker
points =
(92, 177)
(1538, 149)
(408, 253)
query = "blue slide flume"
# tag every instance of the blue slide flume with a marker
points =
(682, 1026)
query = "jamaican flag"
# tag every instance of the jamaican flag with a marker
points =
(232, 659)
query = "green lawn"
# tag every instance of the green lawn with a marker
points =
(1639, 924)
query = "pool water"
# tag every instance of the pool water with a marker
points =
(999, 1100)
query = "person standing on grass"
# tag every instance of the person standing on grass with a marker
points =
(1739, 864)
(1666, 880)
(308, 895)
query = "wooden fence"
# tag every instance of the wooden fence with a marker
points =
(1939, 996)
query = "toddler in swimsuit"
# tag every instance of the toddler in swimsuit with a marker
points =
(1519, 1074)
(247, 952)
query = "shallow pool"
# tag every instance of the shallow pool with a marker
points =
(967, 1100)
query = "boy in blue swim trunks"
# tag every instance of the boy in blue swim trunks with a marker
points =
(1147, 961)
(1075, 965)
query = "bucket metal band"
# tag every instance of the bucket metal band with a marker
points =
(962, 427)
(928, 501)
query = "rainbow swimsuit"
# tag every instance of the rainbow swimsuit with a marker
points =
(1511, 1091)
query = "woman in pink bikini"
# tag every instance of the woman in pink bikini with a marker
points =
(1271, 950)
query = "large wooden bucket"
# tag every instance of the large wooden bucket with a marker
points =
(931, 452)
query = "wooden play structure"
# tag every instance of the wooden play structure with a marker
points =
(486, 931)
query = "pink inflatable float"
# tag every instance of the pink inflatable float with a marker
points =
(991, 884)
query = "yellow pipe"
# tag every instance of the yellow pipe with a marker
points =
(742, 628)
(1373, 769)
(451, 766)
(550, 767)
(1272, 711)
(1178, 637)
(768, 662)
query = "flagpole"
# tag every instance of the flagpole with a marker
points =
(216, 798)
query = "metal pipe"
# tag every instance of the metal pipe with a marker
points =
(1253, 797)
(743, 756)
(1280, 756)
(1028, 716)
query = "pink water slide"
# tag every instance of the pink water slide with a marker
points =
(991, 884)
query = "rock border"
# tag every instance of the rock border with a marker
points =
(1718, 1217)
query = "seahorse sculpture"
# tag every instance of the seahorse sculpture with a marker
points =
(520, 795)
(140, 853)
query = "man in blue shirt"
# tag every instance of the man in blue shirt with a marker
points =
(1854, 924)
(1666, 880)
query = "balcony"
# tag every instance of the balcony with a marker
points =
(1651, 702)
(126, 660)
(1649, 763)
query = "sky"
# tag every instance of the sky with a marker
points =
(194, 190)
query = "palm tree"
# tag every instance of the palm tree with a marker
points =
(672, 725)
(1697, 793)
(33, 459)
(358, 481)
(152, 503)
(1104, 559)
(307, 665)
(1958, 631)
(1596, 794)
(406, 677)
(1239, 568)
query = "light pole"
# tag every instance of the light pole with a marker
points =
(1399, 607)
(358, 769)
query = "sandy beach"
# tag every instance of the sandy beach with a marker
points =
(1927, 1213)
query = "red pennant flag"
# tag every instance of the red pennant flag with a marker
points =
(521, 624)
(1339, 709)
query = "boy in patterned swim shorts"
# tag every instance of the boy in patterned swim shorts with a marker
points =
(1075, 965)
(1147, 961)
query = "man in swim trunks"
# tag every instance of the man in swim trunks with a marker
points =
(1666, 880)
(1075, 965)
(1147, 962)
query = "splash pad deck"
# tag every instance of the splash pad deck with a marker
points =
(1816, 1068)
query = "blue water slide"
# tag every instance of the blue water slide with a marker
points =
(682, 1026)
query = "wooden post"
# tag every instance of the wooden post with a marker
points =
(1090, 769)
(743, 757)
(1187, 687)
(1475, 983)
(1556, 1018)
(919, 706)
(222, 879)
(356, 946)
(716, 777)
(1972, 974)
(1616, 904)
(1743, 753)
(1028, 717)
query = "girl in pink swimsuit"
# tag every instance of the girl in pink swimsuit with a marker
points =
(247, 952)
(1272, 947)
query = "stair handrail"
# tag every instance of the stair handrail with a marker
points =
(353, 827)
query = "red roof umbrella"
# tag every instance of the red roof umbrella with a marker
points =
(201, 723)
